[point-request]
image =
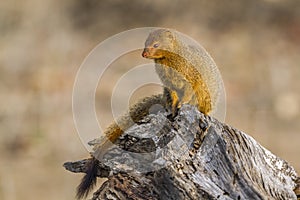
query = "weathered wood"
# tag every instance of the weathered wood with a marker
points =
(192, 157)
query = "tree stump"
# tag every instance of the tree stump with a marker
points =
(192, 157)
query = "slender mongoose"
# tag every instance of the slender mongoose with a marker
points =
(189, 76)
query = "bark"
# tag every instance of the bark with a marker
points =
(191, 157)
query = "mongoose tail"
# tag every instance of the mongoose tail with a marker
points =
(89, 180)
(112, 133)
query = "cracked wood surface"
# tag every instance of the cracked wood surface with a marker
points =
(192, 157)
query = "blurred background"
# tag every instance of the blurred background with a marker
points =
(256, 45)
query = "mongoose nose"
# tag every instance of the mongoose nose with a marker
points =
(145, 54)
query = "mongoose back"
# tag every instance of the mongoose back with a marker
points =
(188, 74)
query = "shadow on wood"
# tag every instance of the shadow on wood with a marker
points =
(192, 157)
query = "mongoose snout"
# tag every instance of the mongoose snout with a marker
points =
(145, 53)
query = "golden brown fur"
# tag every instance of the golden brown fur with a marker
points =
(189, 77)
(186, 71)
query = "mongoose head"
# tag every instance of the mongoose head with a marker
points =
(159, 43)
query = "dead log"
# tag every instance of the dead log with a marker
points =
(191, 157)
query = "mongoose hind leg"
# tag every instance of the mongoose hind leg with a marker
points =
(175, 103)
(204, 102)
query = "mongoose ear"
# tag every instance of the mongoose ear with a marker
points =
(169, 34)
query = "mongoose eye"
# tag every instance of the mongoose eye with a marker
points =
(155, 45)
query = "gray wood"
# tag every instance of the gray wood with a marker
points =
(192, 157)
